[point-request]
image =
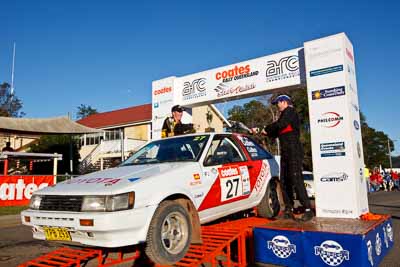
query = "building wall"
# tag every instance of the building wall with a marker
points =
(85, 150)
(200, 119)
(137, 132)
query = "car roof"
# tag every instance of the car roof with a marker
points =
(204, 133)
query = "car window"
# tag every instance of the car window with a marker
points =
(187, 148)
(223, 150)
(308, 177)
(256, 152)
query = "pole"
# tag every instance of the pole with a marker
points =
(12, 72)
(390, 156)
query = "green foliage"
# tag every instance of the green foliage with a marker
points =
(396, 161)
(84, 111)
(56, 144)
(10, 105)
(375, 145)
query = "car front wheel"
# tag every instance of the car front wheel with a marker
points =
(169, 234)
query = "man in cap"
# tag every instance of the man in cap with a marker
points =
(173, 125)
(287, 129)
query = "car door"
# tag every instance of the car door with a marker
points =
(260, 173)
(226, 176)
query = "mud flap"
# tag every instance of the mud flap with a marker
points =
(194, 220)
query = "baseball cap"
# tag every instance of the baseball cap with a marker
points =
(281, 98)
(178, 108)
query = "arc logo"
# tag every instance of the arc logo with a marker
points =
(330, 119)
(194, 89)
(332, 253)
(281, 246)
(284, 68)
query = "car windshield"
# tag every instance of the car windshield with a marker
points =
(186, 148)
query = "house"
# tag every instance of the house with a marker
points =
(126, 130)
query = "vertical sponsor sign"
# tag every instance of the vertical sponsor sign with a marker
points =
(162, 102)
(164, 97)
(335, 128)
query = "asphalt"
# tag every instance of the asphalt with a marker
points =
(17, 245)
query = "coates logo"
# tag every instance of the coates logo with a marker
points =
(284, 68)
(163, 91)
(335, 177)
(350, 55)
(236, 73)
(19, 190)
(330, 119)
(281, 246)
(332, 253)
(228, 171)
(194, 89)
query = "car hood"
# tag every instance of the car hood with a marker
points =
(112, 181)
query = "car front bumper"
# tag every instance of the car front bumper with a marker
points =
(110, 229)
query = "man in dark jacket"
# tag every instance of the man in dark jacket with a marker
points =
(287, 129)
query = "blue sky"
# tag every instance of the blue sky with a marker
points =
(106, 53)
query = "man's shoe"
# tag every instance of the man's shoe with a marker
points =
(288, 215)
(308, 215)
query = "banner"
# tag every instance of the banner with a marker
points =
(243, 79)
(17, 190)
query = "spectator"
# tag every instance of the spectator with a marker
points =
(8, 147)
(396, 181)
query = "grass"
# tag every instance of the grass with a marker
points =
(12, 210)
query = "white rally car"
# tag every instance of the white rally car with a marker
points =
(160, 195)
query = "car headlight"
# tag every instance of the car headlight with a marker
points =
(35, 202)
(108, 203)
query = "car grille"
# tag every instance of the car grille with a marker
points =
(61, 203)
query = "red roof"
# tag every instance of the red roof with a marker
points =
(123, 116)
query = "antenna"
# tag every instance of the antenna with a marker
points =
(12, 72)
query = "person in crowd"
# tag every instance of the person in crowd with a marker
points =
(374, 181)
(396, 180)
(173, 125)
(287, 129)
(8, 147)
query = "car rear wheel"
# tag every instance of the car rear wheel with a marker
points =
(269, 206)
(169, 234)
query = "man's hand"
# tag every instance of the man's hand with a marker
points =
(255, 130)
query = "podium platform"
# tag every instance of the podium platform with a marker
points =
(324, 242)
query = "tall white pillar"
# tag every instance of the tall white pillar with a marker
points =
(338, 161)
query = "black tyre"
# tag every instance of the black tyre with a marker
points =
(169, 234)
(269, 206)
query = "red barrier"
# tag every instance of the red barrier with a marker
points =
(17, 190)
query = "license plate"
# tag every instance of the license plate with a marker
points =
(60, 234)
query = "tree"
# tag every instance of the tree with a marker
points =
(59, 144)
(84, 111)
(375, 145)
(10, 105)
